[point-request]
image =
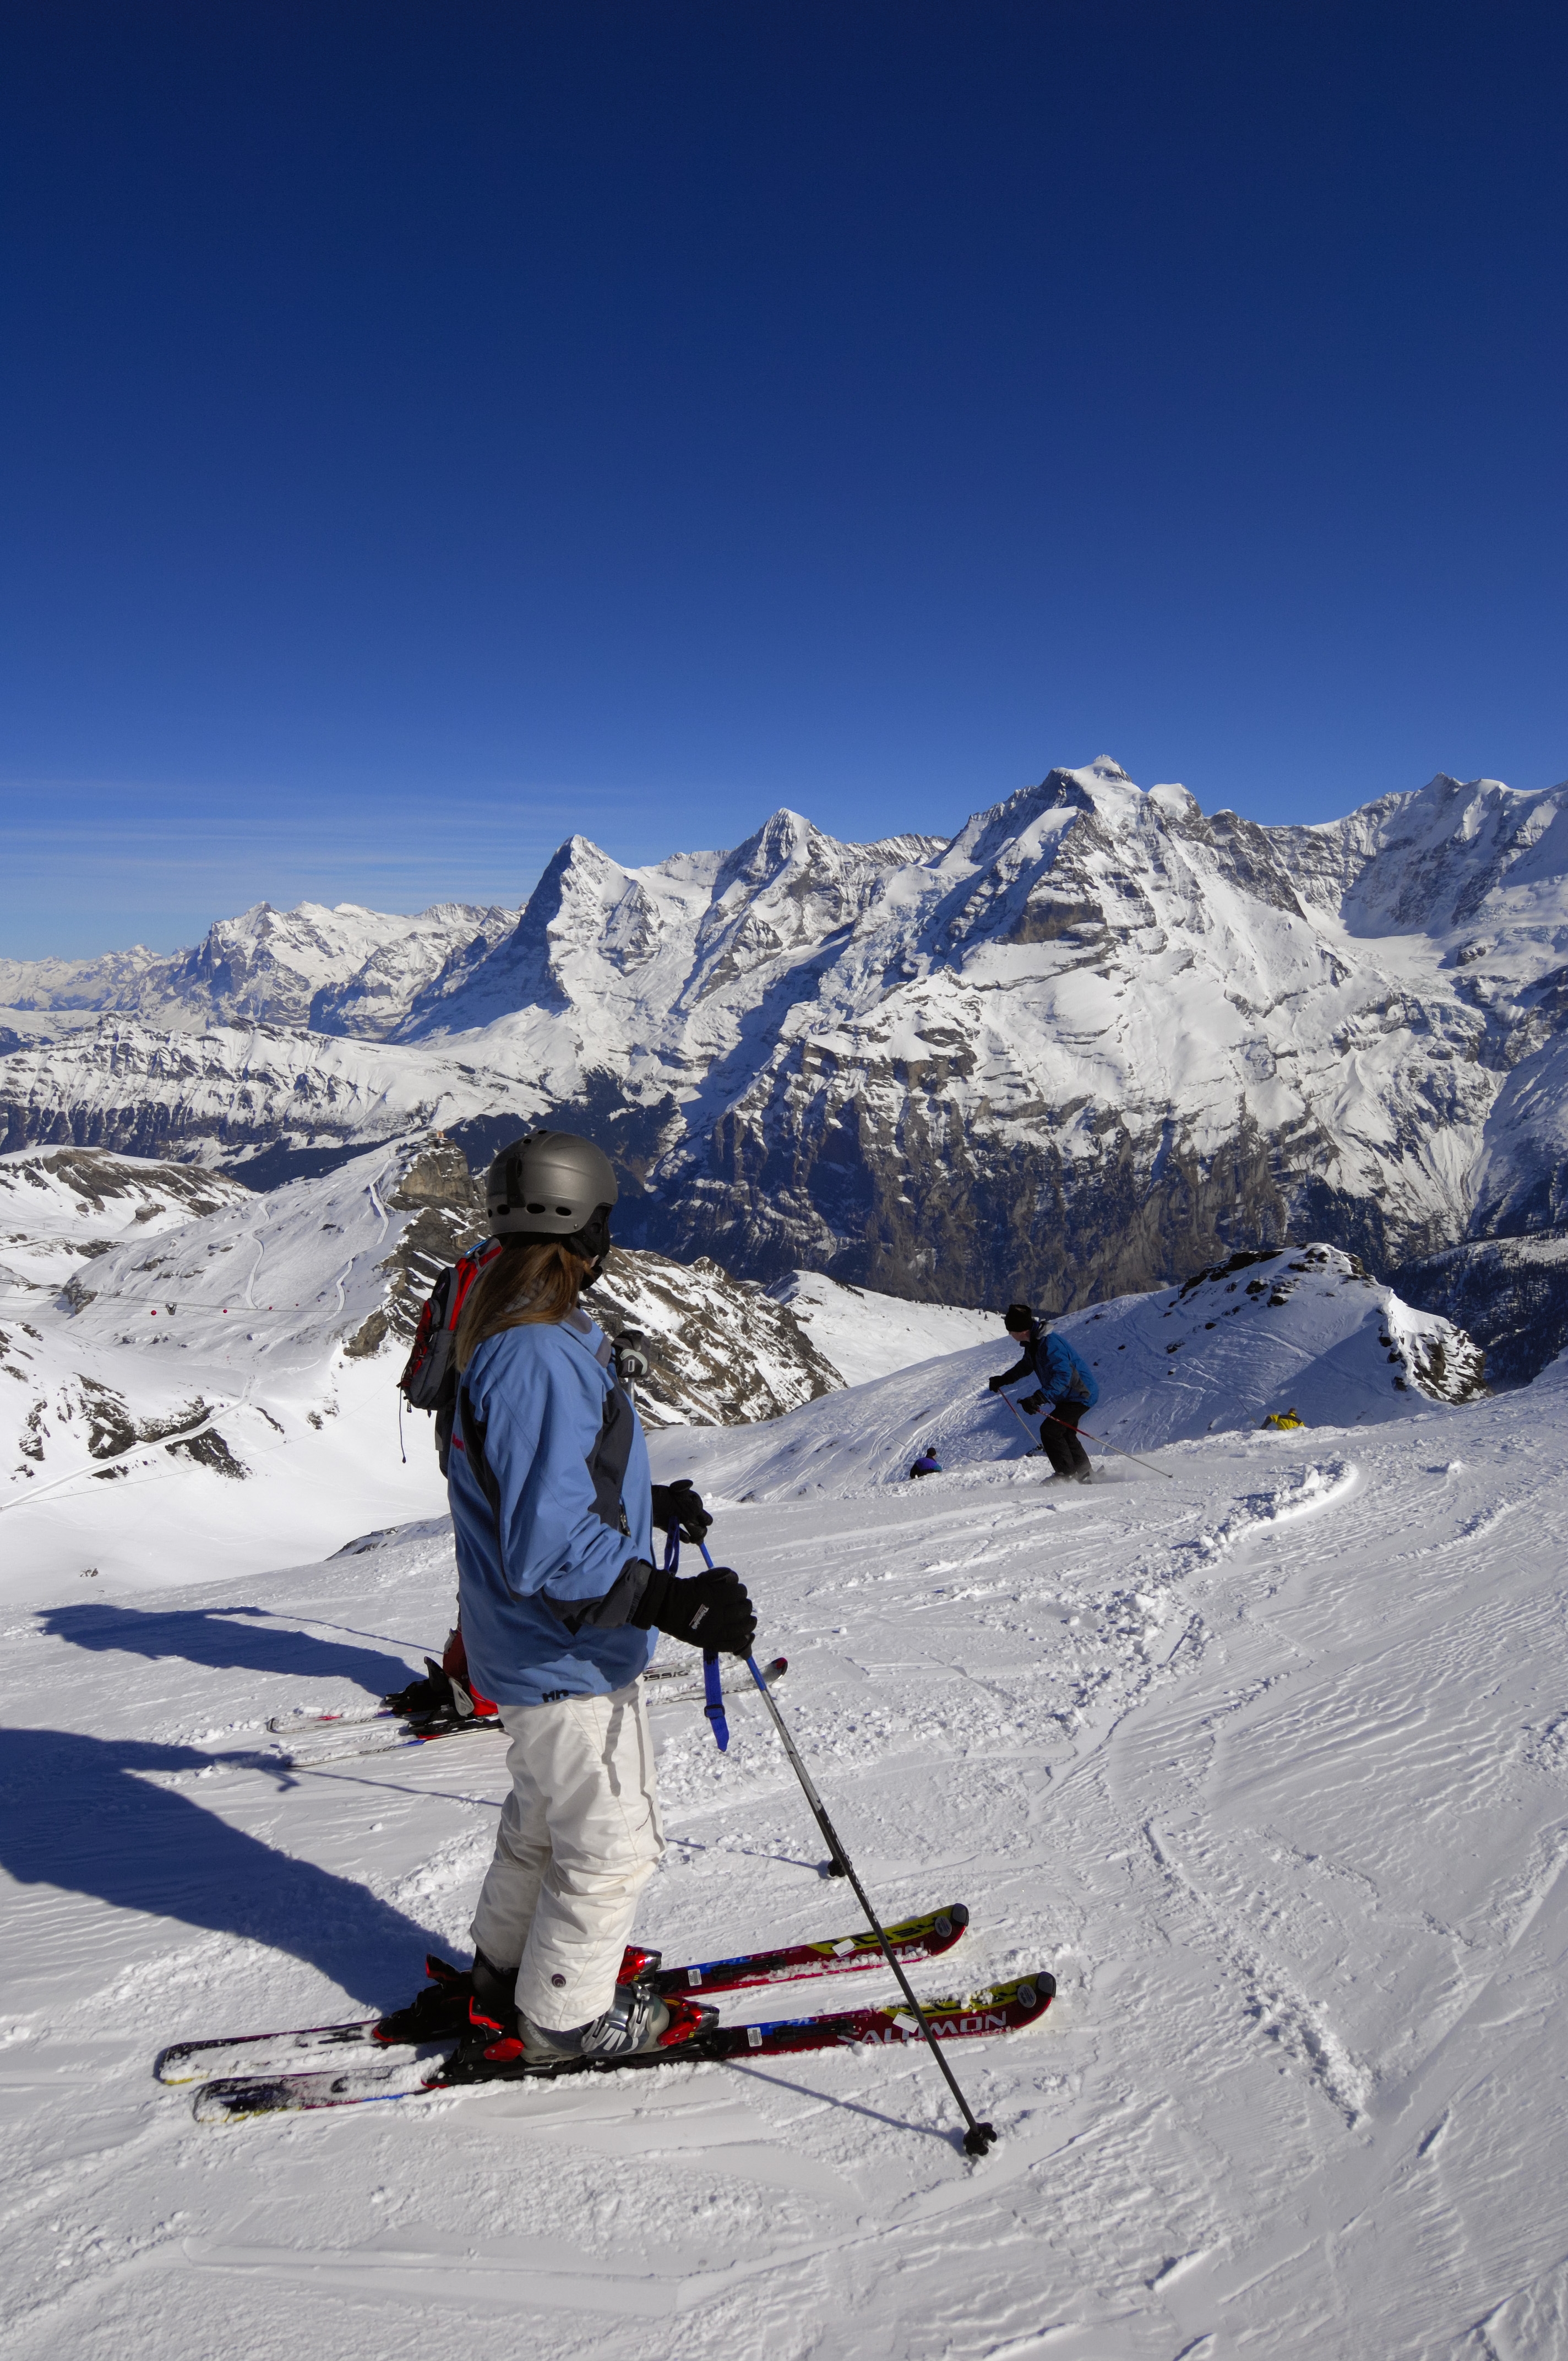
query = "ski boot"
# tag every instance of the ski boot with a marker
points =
(501, 2042)
(441, 2008)
(437, 1702)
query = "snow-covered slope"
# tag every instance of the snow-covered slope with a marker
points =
(214, 1377)
(67, 1206)
(1266, 1763)
(1314, 1333)
(232, 1355)
(213, 1391)
(865, 1335)
(266, 1103)
(1094, 1041)
(1311, 1333)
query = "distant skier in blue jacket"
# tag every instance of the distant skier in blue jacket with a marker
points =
(561, 1607)
(1064, 1390)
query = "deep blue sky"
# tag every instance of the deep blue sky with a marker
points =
(426, 429)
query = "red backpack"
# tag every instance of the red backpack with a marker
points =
(429, 1380)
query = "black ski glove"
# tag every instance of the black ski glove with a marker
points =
(709, 1609)
(996, 1384)
(677, 1506)
(1036, 1400)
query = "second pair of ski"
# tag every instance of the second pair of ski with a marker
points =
(346, 1732)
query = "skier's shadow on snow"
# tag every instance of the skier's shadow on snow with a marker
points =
(222, 1644)
(74, 1813)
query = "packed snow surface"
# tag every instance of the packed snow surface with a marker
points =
(1264, 1756)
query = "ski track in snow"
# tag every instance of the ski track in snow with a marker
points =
(1266, 1763)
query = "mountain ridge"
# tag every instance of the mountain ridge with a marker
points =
(1094, 1038)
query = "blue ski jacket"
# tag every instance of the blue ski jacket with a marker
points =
(551, 1507)
(1063, 1373)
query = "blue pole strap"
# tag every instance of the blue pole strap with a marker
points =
(714, 1693)
(712, 1686)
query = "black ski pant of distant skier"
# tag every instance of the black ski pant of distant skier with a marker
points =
(1058, 1432)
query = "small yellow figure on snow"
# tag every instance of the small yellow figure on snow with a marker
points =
(1282, 1421)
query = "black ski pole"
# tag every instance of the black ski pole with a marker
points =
(1034, 1447)
(978, 2136)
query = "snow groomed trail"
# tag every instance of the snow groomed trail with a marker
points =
(1269, 1764)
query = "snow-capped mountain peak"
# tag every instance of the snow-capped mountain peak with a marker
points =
(1093, 1039)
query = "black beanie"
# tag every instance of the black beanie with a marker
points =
(1017, 1315)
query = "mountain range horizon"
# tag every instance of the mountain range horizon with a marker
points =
(447, 908)
(1095, 1036)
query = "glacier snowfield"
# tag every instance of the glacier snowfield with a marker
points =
(1266, 1757)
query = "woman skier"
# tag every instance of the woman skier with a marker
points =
(561, 1607)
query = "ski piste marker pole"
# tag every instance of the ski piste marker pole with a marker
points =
(1105, 1445)
(978, 2136)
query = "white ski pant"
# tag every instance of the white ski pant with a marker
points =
(579, 1841)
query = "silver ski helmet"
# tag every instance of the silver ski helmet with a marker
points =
(552, 1185)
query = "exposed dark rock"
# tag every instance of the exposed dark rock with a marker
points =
(209, 1450)
(1510, 1294)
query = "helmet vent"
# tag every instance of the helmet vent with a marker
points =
(535, 1209)
(563, 1209)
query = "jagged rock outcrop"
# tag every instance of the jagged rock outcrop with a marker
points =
(1511, 1293)
(720, 1351)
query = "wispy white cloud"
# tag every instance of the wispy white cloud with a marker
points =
(91, 865)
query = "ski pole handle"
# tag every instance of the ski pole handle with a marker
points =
(1021, 1419)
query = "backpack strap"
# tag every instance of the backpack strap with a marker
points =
(475, 1431)
(581, 1325)
(612, 1447)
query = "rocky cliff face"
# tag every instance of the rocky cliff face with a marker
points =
(1097, 1040)
(720, 1352)
(1511, 1293)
